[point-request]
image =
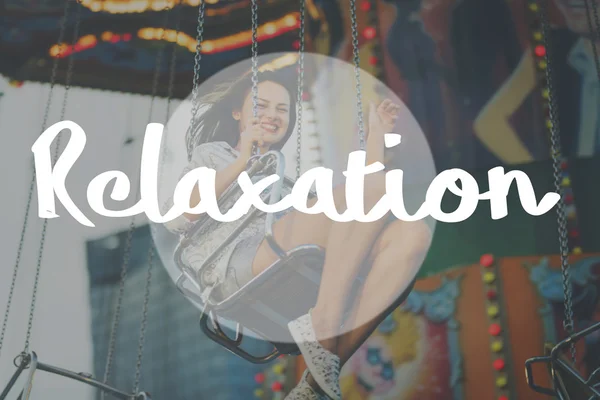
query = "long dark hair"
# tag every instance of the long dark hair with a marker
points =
(217, 123)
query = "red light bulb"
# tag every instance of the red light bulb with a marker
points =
(540, 50)
(259, 378)
(499, 364)
(486, 260)
(369, 33)
(495, 329)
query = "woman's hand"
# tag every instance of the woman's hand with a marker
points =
(381, 121)
(382, 118)
(253, 135)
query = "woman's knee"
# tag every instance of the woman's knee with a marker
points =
(407, 239)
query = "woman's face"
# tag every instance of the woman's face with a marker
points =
(273, 111)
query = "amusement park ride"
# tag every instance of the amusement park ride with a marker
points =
(117, 45)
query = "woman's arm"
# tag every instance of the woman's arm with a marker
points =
(224, 178)
(492, 124)
(375, 148)
(381, 121)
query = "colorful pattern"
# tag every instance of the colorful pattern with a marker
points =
(414, 354)
(585, 276)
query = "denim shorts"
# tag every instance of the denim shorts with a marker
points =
(239, 270)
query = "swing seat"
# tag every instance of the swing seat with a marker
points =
(281, 293)
(567, 381)
(266, 304)
(30, 362)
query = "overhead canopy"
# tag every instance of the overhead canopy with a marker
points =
(119, 40)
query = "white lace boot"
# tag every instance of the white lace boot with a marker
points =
(303, 391)
(324, 366)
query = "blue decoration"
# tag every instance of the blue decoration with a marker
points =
(550, 287)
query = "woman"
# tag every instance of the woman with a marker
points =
(223, 139)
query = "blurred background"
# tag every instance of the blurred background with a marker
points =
(471, 72)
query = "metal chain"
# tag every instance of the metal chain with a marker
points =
(173, 62)
(556, 164)
(140, 355)
(61, 37)
(55, 158)
(300, 88)
(254, 8)
(594, 35)
(254, 58)
(597, 20)
(150, 261)
(127, 254)
(196, 81)
(117, 316)
(356, 60)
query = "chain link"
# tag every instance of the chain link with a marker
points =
(556, 164)
(196, 81)
(150, 260)
(127, 251)
(300, 88)
(356, 60)
(55, 158)
(172, 69)
(594, 35)
(254, 8)
(61, 37)
(117, 316)
(140, 355)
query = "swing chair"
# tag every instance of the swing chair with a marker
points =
(28, 360)
(567, 382)
(288, 288)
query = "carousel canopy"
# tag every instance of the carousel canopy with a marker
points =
(118, 44)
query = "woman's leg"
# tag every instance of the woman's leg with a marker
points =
(347, 244)
(398, 253)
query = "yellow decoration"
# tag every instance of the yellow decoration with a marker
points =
(278, 369)
(270, 28)
(501, 381)
(566, 181)
(533, 7)
(57, 49)
(577, 250)
(537, 36)
(497, 346)
(489, 277)
(259, 393)
(545, 92)
(96, 6)
(290, 20)
(207, 46)
(493, 311)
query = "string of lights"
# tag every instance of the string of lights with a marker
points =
(266, 31)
